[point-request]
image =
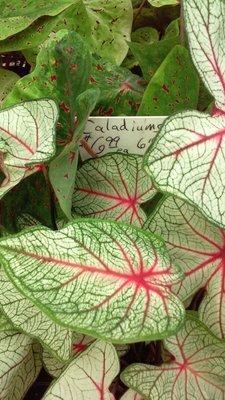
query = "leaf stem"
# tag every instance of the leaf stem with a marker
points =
(139, 10)
(51, 198)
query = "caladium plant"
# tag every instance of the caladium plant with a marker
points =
(97, 264)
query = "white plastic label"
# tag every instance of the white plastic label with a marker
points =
(130, 135)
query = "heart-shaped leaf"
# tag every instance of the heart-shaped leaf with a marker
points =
(27, 139)
(20, 364)
(196, 372)
(198, 247)
(113, 187)
(88, 376)
(187, 157)
(29, 319)
(174, 87)
(62, 271)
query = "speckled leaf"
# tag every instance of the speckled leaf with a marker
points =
(196, 373)
(20, 364)
(131, 395)
(205, 25)
(88, 376)
(26, 317)
(27, 140)
(187, 159)
(113, 187)
(54, 367)
(120, 90)
(197, 247)
(7, 82)
(17, 15)
(96, 21)
(161, 3)
(61, 271)
(174, 87)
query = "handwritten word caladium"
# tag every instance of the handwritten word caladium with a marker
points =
(27, 140)
(199, 249)
(113, 187)
(187, 157)
(101, 278)
(196, 370)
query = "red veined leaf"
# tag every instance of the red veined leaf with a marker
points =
(27, 140)
(198, 247)
(88, 376)
(113, 187)
(196, 373)
(97, 277)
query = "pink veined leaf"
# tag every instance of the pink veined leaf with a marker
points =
(115, 288)
(88, 376)
(196, 372)
(131, 395)
(205, 25)
(113, 187)
(27, 140)
(198, 247)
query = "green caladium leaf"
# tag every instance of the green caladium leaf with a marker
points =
(55, 367)
(120, 90)
(174, 87)
(18, 15)
(161, 3)
(5, 324)
(131, 395)
(27, 140)
(20, 364)
(7, 82)
(145, 34)
(187, 157)
(95, 20)
(29, 319)
(198, 248)
(61, 272)
(196, 371)
(173, 29)
(88, 376)
(113, 187)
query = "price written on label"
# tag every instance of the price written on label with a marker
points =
(129, 135)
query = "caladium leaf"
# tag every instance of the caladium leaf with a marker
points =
(20, 364)
(29, 319)
(5, 324)
(197, 371)
(7, 82)
(161, 3)
(55, 367)
(27, 139)
(113, 187)
(88, 376)
(131, 395)
(205, 27)
(19, 14)
(198, 248)
(61, 272)
(174, 87)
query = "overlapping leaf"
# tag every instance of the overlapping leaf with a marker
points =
(198, 247)
(196, 373)
(20, 364)
(29, 319)
(187, 157)
(174, 87)
(88, 376)
(7, 81)
(62, 271)
(27, 140)
(113, 187)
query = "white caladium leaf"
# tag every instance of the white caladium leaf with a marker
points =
(197, 246)
(20, 364)
(27, 140)
(62, 271)
(131, 395)
(55, 367)
(26, 317)
(88, 376)
(196, 373)
(113, 187)
(187, 159)
(205, 25)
